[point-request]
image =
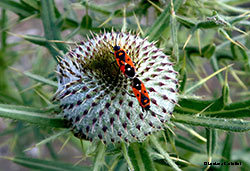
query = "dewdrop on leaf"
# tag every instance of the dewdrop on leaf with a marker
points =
(94, 94)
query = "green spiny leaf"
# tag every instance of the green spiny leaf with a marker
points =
(16, 8)
(164, 153)
(128, 157)
(86, 22)
(40, 119)
(211, 141)
(140, 157)
(162, 22)
(99, 159)
(31, 3)
(39, 164)
(235, 125)
(227, 150)
(208, 51)
(188, 145)
(49, 139)
(40, 79)
(187, 22)
(52, 31)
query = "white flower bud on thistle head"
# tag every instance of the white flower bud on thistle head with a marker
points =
(95, 95)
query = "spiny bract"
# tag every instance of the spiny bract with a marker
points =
(94, 94)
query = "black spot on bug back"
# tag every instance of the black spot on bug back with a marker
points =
(144, 99)
(121, 55)
(129, 71)
(136, 83)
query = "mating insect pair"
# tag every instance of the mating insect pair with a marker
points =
(127, 67)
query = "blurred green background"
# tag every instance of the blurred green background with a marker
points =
(203, 38)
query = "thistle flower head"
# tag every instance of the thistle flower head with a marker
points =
(95, 95)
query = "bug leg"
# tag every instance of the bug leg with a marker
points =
(146, 114)
(112, 62)
(142, 109)
(118, 71)
(129, 93)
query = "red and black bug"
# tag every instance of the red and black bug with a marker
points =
(124, 61)
(141, 94)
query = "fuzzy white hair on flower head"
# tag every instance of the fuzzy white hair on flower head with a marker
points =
(92, 90)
